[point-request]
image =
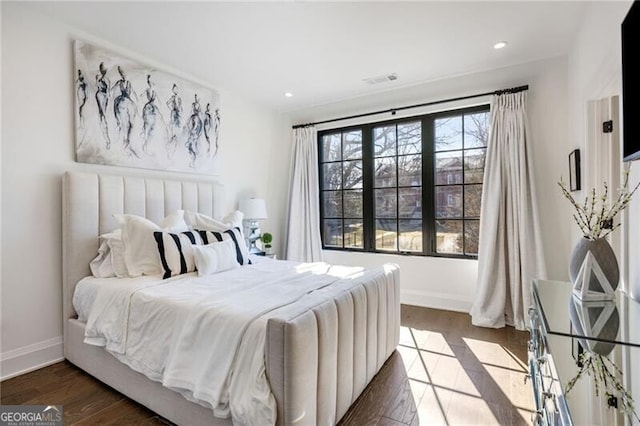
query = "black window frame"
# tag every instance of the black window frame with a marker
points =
(429, 232)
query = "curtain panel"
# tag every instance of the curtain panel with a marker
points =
(303, 225)
(510, 250)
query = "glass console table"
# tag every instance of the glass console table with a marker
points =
(562, 328)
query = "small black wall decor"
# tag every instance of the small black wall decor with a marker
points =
(574, 170)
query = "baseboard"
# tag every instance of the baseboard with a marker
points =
(32, 357)
(445, 301)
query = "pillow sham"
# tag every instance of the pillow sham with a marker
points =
(140, 253)
(102, 265)
(207, 223)
(114, 239)
(215, 257)
(110, 259)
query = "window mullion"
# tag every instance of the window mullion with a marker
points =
(342, 184)
(428, 188)
(397, 193)
(367, 189)
(464, 222)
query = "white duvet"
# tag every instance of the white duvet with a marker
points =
(204, 336)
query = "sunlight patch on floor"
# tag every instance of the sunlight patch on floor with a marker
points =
(474, 382)
(493, 354)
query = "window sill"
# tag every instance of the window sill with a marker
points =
(403, 254)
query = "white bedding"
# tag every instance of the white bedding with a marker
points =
(204, 336)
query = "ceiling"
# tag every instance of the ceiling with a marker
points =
(322, 51)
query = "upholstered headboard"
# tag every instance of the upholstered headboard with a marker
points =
(90, 200)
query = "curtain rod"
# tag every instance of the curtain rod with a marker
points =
(394, 110)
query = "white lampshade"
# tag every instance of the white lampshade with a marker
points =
(253, 208)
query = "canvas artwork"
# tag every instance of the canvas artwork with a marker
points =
(130, 114)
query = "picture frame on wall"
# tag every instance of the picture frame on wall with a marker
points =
(574, 170)
(131, 114)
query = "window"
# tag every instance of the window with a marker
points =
(397, 186)
(409, 186)
(341, 189)
(460, 145)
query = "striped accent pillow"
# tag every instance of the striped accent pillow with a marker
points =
(176, 252)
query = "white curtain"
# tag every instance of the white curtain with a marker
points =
(510, 250)
(303, 228)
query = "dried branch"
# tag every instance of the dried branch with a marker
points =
(596, 213)
(600, 367)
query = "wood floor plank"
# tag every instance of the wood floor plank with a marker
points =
(18, 397)
(386, 421)
(80, 398)
(401, 407)
(31, 381)
(432, 407)
(122, 412)
(75, 377)
(374, 401)
(446, 371)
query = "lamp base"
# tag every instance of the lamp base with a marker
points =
(254, 235)
(253, 249)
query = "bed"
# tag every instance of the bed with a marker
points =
(317, 361)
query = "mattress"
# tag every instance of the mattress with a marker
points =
(204, 336)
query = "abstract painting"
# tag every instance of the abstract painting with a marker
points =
(130, 114)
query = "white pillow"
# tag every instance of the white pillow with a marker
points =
(215, 257)
(102, 265)
(207, 223)
(114, 239)
(110, 260)
(140, 249)
(233, 234)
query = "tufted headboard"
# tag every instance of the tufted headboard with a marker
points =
(89, 201)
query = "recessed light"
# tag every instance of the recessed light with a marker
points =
(288, 94)
(500, 45)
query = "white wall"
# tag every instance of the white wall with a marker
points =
(450, 283)
(594, 73)
(38, 146)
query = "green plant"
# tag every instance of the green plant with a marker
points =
(267, 238)
(595, 216)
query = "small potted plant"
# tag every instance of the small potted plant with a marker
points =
(266, 238)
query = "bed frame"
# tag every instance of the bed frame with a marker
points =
(318, 363)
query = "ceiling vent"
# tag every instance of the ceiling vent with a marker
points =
(381, 78)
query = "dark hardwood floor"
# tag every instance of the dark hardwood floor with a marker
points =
(444, 372)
